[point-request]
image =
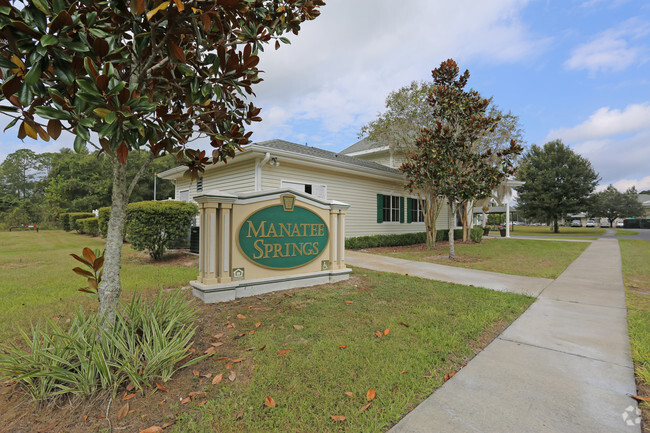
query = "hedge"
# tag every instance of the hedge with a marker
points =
(73, 217)
(89, 226)
(64, 221)
(104, 213)
(153, 225)
(476, 235)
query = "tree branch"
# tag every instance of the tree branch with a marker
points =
(139, 174)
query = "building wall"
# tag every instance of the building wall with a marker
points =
(235, 178)
(357, 191)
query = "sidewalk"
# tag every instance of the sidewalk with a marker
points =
(470, 277)
(562, 366)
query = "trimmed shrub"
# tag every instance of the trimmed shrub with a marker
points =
(73, 217)
(104, 213)
(147, 343)
(64, 221)
(153, 225)
(89, 226)
(476, 234)
(397, 240)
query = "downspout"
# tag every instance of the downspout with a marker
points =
(258, 171)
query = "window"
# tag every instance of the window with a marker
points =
(317, 190)
(416, 211)
(184, 195)
(391, 208)
(199, 185)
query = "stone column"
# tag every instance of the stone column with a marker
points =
(208, 243)
(334, 239)
(341, 239)
(225, 242)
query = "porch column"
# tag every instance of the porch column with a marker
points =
(341, 239)
(334, 239)
(508, 219)
(207, 244)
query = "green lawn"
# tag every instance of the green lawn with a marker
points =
(636, 274)
(445, 324)
(36, 278)
(531, 258)
(626, 233)
(575, 232)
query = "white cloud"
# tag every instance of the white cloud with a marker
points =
(338, 71)
(615, 49)
(606, 122)
(641, 184)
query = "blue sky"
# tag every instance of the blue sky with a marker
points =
(574, 69)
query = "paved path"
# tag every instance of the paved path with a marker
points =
(470, 277)
(562, 366)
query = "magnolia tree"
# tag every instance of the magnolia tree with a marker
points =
(408, 111)
(447, 158)
(140, 75)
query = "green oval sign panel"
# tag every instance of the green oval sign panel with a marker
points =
(283, 237)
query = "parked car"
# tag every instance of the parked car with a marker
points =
(576, 223)
(620, 224)
(591, 223)
(604, 224)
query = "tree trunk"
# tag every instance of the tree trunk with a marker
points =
(452, 224)
(556, 228)
(111, 287)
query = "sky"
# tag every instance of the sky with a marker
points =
(575, 70)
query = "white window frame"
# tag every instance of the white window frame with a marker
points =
(180, 195)
(417, 209)
(284, 183)
(391, 209)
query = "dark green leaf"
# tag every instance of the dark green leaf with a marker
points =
(79, 144)
(52, 113)
(47, 40)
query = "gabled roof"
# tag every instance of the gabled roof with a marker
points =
(364, 145)
(643, 198)
(321, 153)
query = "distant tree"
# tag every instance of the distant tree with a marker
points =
(557, 182)
(647, 191)
(447, 159)
(408, 111)
(18, 174)
(146, 74)
(611, 204)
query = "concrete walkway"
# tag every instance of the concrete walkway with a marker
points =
(562, 366)
(470, 277)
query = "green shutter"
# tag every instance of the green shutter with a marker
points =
(401, 209)
(380, 208)
(409, 210)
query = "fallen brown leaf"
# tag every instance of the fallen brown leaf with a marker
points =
(298, 326)
(207, 375)
(217, 344)
(162, 388)
(337, 417)
(386, 331)
(228, 366)
(168, 423)
(283, 352)
(202, 403)
(449, 375)
(130, 386)
(262, 348)
(258, 324)
(370, 395)
(348, 302)
(403, 371)
(241, 316)
(239, 415)
(364, 407)
(234, 361)
(222, 358)
(210, 351)
(152, 429)
(186, 400)
(196, 372)
(403, 324)
(639, 398)
(349, 394)
(123, 411)
(268, 401)
(232, 376)
(127, 396)
(342, 346)
(217, 378)
(379, 334)
(218, 336)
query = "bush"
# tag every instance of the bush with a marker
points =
(476, 234)
(104, 213)
(89, 226)
(144, 346)
(64, 221)
(153, 225)
(397, 240)
(73, 217)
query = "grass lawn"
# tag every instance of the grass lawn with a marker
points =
(636, 274)
(626, 233)
(36, 278)
(574, 232)
(331, 348)
(531, 258)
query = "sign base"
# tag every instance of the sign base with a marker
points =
(211, 293)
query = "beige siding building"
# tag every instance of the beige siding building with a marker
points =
(363, 176)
